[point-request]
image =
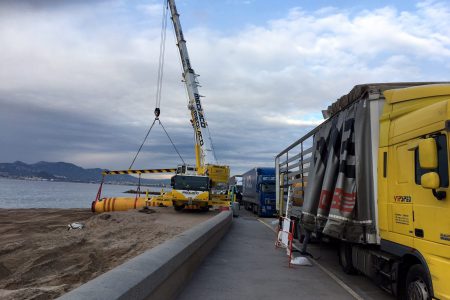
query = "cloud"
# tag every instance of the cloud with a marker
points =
(152, 9)
(78, 84)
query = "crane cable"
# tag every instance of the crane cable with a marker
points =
(143, 142)
(162, 50)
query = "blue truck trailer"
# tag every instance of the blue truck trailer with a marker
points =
(258, 191)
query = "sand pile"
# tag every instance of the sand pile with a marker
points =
(41, 259)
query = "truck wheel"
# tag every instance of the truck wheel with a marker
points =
(259, 212)
(345, 258)
(417, 285)
(178, 207)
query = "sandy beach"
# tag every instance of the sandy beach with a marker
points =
(41, 259)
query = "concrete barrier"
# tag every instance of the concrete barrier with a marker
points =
(161, 272)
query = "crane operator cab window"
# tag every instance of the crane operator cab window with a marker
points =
(193, 183)
(186, 170)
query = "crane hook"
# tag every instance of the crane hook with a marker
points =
(157, 112)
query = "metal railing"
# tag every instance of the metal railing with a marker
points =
(292, 166)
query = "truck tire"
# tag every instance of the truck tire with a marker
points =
(259, 212)
(345, 258)
(178, 207)
(417, 284)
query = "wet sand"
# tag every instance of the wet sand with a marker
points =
(41, 259)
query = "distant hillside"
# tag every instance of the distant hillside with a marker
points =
(62, 171)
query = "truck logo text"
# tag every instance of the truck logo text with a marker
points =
(402, 199)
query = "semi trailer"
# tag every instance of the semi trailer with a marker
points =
(258, 191)
(374, 176)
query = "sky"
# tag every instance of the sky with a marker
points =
(78, 78)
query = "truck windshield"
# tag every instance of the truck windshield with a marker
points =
(268, 188)
(193, 183)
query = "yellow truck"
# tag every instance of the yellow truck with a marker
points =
(375, 176)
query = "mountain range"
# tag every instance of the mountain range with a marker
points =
(63, 171)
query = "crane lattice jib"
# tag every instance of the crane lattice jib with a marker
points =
(198, 116)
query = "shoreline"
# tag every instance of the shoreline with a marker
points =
(38, 179)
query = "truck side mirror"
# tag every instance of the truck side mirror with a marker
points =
(430, 180)
(428, 157)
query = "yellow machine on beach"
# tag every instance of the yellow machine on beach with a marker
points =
(102, 204)
(188, 191)
(193, 187)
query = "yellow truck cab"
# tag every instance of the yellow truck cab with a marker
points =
(375, 176)
(413, 200)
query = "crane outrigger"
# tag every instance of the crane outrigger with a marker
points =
(193, 187)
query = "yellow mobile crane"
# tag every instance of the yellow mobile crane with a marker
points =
(206, 183)
(193, 187)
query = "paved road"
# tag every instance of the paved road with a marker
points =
(246, 265)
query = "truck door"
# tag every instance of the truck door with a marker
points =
(431, 215)
(432, 218)
(400, 207)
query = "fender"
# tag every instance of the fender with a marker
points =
(401, 250)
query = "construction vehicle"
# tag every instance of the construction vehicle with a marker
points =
(374, 176)
(194, 187)
(205, 184)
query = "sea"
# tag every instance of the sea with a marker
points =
(16, 193)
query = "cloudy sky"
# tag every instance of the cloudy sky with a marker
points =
(78, 78)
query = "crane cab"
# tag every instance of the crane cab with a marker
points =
(185, 182)
(186, 170)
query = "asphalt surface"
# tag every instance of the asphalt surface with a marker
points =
(246, 265)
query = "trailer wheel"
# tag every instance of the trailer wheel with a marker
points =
(417, 284)
(345, 258)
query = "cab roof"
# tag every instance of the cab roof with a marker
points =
(376, 89)
(416, 92)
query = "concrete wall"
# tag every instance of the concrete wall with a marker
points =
(161, 272)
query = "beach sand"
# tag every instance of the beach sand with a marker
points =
(41, 259)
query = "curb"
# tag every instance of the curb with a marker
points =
(161, 272)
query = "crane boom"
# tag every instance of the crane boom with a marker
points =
(204, 151)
